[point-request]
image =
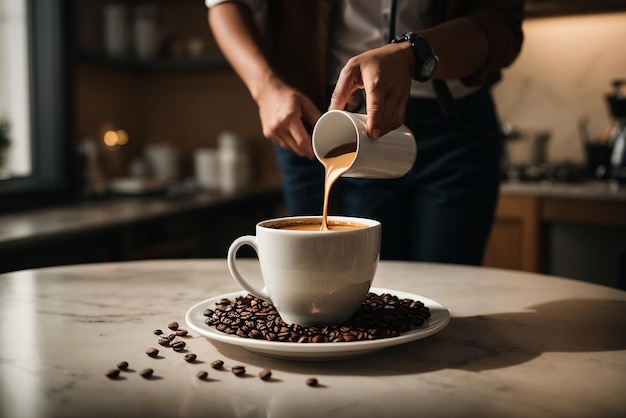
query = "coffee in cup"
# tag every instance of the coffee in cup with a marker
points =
(312, 277)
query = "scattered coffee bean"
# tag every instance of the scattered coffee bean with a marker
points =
(181, 332)
(173, 325)
(178, 345)
(202, 374)
(171, 337)
(146, 373)
(123, 365)
(238, 370)
(157, 332)
(152, 352)
(217, 364)
(190, 358)
(311, 381)
(113, 373)
(165, 342)
(265, 374)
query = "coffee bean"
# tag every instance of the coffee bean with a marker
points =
(123, 365)
(157, 332)
(265, 374)
(152, 352)
(146, 373)
(217, 364)
(165, 342)
(113, 373)
(238, 370)
(380, 316)
(178, 345)
(311, 381)
(171, 337)
(190, 358)
(181, 332)
(173, 325)
(202, 374)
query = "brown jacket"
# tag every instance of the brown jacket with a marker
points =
(300, 30)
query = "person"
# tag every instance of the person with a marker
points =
(427, 64)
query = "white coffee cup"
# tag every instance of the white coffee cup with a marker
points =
(390, 156)
(312, 277)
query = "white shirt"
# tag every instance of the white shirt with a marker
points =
(362, 25)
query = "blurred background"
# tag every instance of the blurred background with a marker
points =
(129, 102)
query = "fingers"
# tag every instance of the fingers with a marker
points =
(385, 112)
(348, 82)
(295, 138)
(292, 134)
(301, 143)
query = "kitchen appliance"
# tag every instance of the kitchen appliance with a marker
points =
(617, 136)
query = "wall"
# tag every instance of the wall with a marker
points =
(187, 107)
(562, 74)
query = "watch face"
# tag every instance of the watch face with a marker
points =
(429, 67)
(423, 48)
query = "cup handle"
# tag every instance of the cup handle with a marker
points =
(250, 240)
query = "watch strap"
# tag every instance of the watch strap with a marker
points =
(425, 58)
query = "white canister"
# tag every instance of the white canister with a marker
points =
(164, 161)
(234, 163)
(116, 30)
(147, 34)
(206, 168)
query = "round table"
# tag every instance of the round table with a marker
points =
(517, 345)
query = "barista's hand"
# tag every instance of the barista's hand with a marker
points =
(284, 111)
(385, 75)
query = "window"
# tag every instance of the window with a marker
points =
(36, 97)
(14, 90)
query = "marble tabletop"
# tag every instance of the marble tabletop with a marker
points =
(517, 345)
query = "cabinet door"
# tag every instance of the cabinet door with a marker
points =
(514, 241)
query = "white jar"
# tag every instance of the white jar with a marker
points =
(147, 32)
(116, 30)
(206, 167)
(234, 163)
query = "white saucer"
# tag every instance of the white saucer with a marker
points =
(440, 316)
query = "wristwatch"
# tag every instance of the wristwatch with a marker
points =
(425, 58)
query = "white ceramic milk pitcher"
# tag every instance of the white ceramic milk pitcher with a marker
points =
(390, 156)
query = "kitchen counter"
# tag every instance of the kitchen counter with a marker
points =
(576, 230)
(132, 227)
(31, 226)
(589, 190)
(89, 215)
(517, 345)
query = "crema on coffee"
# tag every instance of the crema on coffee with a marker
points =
(316, 225)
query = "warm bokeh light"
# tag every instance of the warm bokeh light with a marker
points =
(113, 139)
(122, 137)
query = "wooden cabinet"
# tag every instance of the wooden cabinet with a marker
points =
(531, 231)
(514, 242)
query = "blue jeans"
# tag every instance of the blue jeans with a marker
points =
(442, 210)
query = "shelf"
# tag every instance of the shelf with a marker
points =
(215, 61)
(548, 8)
